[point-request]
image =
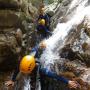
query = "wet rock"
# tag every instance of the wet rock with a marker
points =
(73, 71)
(69, 75)
(11, 22)
(50, 13)
(86, 59)
(32, 10)
(76, 67)
(28, 9)
(86, 25)
(87, 31)
(9, 18)
(10, 4)
(15, 19)
(60, 13)
(4, 77)
(8, 52)
(67, 52)
(86, 48)
(82, 85)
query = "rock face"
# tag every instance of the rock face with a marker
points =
(13, 14)
(10, 4)
(60, 12)
(8, 43)
(9, 18)
(15, 17)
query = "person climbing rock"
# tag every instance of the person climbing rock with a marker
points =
(43, 25)
(30, 63)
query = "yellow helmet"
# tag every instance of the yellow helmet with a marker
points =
(42, 21)
(27, 64)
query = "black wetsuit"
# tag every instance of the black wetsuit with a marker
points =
(43, 30)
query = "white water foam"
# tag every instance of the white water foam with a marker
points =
(50, 55)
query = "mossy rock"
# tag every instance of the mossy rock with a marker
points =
(87, 31)
(86, 59)
(84, 46)
(11, 4)
(9, 18)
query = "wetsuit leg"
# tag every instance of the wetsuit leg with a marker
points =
(33, 79)
(53, 75)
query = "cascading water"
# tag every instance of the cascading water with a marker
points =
(57, 40)
(61, 32)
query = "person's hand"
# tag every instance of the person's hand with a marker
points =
(72, 84)
(9, 83)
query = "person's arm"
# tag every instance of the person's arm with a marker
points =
(53, 75)
(72, 84)
(47, 30)
(34, 51)
(13, 78)
(15, 74)
(47, 20)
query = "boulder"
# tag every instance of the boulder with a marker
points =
(11, 4)
(8, 49)
(60, 12)
(9, 18)
(87, 31)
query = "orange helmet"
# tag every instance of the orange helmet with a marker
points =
(27, 64)
(42, 21)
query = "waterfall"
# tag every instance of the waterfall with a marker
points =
(62, 30)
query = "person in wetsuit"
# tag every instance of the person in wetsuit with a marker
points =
(43, 25)
(34, 58)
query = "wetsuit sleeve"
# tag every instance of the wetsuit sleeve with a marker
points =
(47, 20)
(34, 51)
(13, 78)
(54, 75)
(47, 30)
(15, 75)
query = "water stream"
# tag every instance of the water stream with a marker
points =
(60, 34)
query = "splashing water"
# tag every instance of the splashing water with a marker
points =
(57, 40)
(27, 85)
